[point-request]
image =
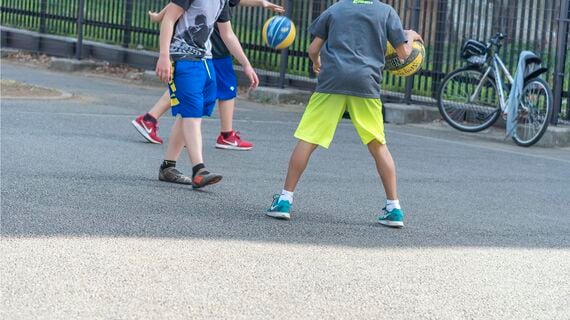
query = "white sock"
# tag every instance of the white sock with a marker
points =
(392, 204)
(286, 195)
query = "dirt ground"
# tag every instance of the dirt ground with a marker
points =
(42, 60)
(15, 89)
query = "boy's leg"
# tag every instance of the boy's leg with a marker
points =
(147, 124)
(298, 163)
(226, 108)
(193, 130)
(175, 142)
(192, 134)
(281, 206)
(317, 128)
(193, 96)
(366, 115)
(168, 171)
(161, 106)
(386, 168)
(226, 92)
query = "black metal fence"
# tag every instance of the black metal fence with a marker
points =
(538, 25)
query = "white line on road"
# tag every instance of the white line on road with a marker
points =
(471, 145)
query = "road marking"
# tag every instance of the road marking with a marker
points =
(471, 145)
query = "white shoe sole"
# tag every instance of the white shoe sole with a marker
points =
(393, 224)
(278, 215)
(143, 132)
(227, 147)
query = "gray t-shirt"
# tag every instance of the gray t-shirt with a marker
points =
(194, 28)
(352, 58)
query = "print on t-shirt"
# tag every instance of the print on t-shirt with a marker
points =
(194, 27)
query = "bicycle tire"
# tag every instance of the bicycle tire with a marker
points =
(493, 110)
(548, 114)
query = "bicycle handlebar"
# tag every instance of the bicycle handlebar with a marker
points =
(496, 40)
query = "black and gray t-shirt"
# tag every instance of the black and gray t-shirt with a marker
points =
(194, 28)
(219, 49)
(352, 58)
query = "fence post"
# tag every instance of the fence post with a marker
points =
(562, 42)
(128, 22)
(43, 9)
(416, 7)
(438, 50)
(79, 44)
(285, 52)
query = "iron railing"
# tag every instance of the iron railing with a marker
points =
(538, 25)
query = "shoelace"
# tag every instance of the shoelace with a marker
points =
(275, 199)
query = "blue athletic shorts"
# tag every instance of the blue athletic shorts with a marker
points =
(193, 88)
(225, 78)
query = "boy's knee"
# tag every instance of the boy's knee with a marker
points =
(376, 145)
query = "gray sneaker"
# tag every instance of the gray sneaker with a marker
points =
(172, 175)
(204, 178)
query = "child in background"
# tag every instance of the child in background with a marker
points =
(226, 83)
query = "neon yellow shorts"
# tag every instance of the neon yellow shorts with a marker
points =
(325, 111)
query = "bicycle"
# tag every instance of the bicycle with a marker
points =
(472, 98)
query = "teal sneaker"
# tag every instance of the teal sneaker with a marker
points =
(394, 218)
(279, 209)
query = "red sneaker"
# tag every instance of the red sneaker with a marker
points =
(233, 142)
(147, 129)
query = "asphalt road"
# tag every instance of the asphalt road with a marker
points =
(89, 232)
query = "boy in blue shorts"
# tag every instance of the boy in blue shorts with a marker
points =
(226, 82)
(350, 42)
(185, 63)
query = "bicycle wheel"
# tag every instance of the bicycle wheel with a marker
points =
(467, 101)
(534, 112)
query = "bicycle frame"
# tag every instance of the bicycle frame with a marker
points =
(496, 67)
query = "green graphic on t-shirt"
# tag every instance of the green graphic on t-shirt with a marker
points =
(362, 1)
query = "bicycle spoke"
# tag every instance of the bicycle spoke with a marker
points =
(534, 113)
(468, 100)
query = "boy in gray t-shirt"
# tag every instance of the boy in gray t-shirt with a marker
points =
(350, 42)
(184, 63)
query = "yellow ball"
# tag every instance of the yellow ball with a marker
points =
(279, 32)
(410, 66)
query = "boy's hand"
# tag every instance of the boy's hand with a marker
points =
(164, 68)
(272, 7)
(414, 35)
(252, 76)
(154, 17)
(317, 65)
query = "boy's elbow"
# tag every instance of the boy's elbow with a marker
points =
(314, 51)
(225, 30)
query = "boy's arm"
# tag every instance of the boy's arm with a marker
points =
(163, 66)
(262, 3)
(402, 40)
(405, 49)
(314, 53)
(231, 41)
